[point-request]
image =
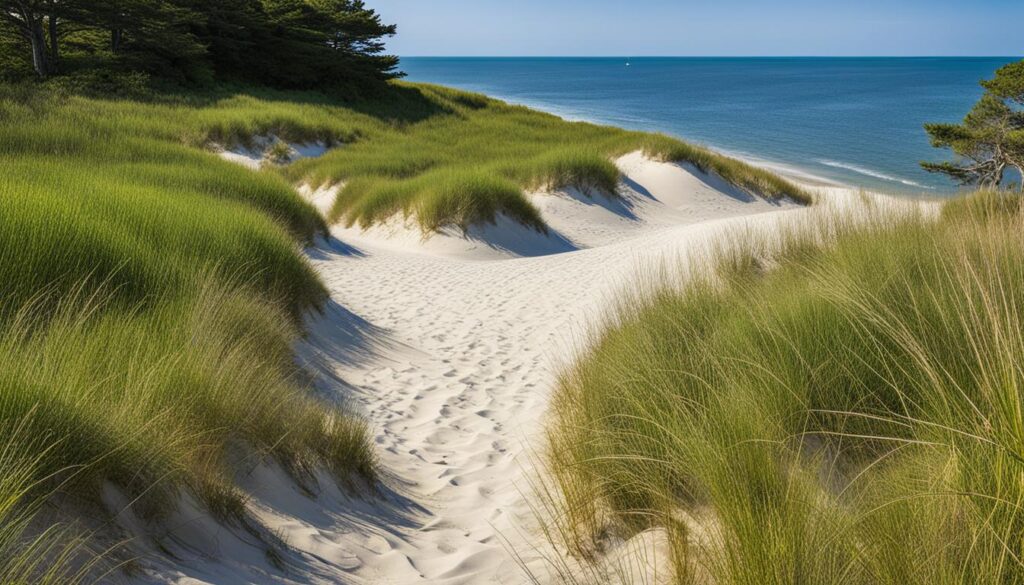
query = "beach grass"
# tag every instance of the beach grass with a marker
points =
(477, 157)
(57, 555)
(836, 403)
(151, 292)
(150, 296)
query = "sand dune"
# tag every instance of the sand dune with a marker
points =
(450, 346)
(255, 156)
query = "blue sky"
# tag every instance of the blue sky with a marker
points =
(705, 27)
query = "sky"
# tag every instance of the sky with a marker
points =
(704, 27)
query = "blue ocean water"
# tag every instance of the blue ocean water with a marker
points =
(857, 121)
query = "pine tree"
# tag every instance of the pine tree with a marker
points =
(356, 32)
(325, 43)
(308, 44)
(153, 35)
(990, 140)
(1008, 83)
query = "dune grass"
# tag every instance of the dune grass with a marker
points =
(748, 178)
(477, 156)
(150, 295)
(50, 556)
(150, 292)
(845, 408)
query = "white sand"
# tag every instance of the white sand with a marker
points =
(256, 157)
(450, 348)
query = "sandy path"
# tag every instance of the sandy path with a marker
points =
(458, 401)
(450, 349)
(453, 417)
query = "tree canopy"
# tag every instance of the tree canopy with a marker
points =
(990, 140)
(295, 44)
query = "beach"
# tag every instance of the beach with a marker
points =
(450, 346)
(354, 293)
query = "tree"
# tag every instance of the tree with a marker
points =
(325, 43)
(15, 62)
(990, 139)
(1008, 83)
(28, 19)
(152, 35)
(64, 18)
(153, 28)
(41, 24)
(308, 44)
(234, 33)
(354, 31)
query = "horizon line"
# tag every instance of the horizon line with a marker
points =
(711, 56)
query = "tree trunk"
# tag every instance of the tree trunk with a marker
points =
(38, 40)
(54, 44)
(115, 39)
(996, 180)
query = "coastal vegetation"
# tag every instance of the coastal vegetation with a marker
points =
(843, 408)
(837, 404)
(53, 555)
(990, 140)
(476, 157)
(152, 292)
(323, 44)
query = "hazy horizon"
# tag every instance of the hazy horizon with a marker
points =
(729, 28)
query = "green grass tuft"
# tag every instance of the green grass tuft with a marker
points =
(983, 206)
(844, 409)
(473, 144)
(150, 295)
(56, 555)
(438, 199)
(745, 176)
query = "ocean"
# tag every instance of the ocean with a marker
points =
(855, 121)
